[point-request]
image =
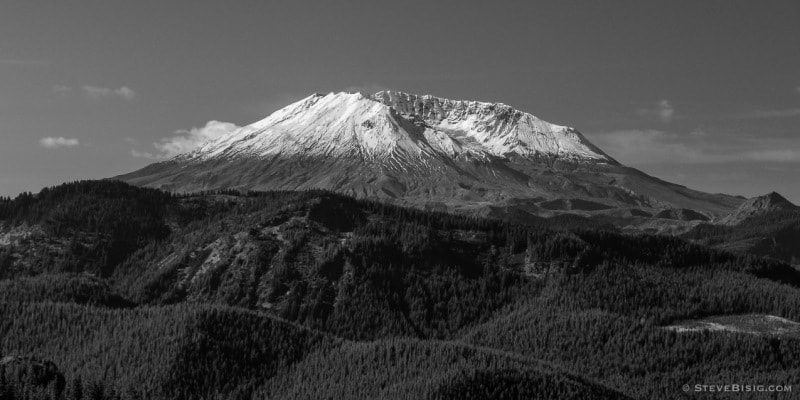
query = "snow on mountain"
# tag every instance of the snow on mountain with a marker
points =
(396, 127)
(493, 127)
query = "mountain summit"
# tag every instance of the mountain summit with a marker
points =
(759, 205)
(391, 129)
(425, 151)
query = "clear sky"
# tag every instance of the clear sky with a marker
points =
(700, 93)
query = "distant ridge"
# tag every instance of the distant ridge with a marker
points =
(758, 206)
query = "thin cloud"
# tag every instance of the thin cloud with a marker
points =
(122, 92)
(97, 92)
(663, 111)
(774, 155)
(61, 89)
(767, 114)
(58, 142)
(144, 154)
(700, 133)
(187, 140)
(647, 147)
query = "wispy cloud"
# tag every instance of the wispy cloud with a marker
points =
(97, 92)
(187, 140)
(61, 89)
(767, 114)
(773, 155)
(647, 147)
(122, 92)
(663, 111)
(58, 142)
(144, 154)
(644, 146)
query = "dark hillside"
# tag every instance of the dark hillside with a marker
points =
(133, 293)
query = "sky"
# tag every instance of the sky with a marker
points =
(700, 93)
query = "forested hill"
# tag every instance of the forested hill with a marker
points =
(775, 234)
(112, 291)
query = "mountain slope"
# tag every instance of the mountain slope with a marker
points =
(423, 151)
(767, 225)
(306, 295)
(760, 205)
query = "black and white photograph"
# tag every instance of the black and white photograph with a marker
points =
(399, 200)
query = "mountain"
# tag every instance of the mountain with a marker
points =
(757, 206)
(767, 225)
(428, 152)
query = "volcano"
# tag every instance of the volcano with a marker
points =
(428, 152)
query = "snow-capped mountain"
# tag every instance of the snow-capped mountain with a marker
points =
(426, 151)
(394, 129)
